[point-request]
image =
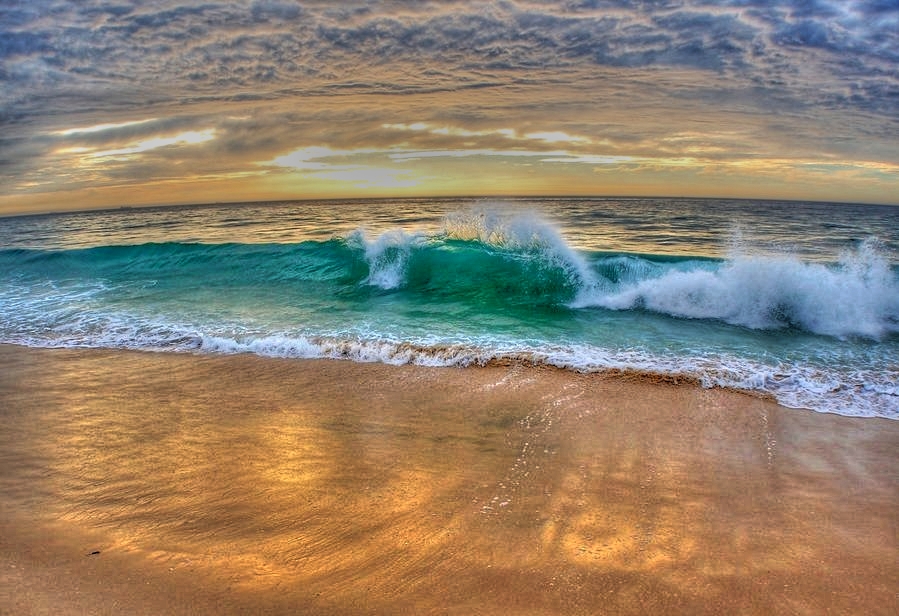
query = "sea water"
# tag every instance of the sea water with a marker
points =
(796, 300)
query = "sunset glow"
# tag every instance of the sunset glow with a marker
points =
(285, 100)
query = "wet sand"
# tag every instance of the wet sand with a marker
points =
(145, 483)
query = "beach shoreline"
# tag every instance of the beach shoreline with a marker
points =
(147, 483)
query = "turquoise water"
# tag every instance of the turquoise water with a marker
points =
(799, 300)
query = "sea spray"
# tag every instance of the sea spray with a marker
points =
(493, 256)
(523, 233)
(858, 296)
(387, 256)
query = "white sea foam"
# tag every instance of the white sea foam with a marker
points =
(521, 234)
(387, 255)
(865, 393)
(869, 392)
(857, 297)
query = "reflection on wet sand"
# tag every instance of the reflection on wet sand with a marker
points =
(273, 485)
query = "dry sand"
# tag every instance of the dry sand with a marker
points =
(141, 483)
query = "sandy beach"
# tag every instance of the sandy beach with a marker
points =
(150, 483)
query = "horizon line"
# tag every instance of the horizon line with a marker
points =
(94, 209)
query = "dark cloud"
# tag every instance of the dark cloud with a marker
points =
(272, 43)
(816, 9)
(23, 44)
(879, 7)
(271, 10)
(805, 33)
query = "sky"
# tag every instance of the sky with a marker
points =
(125, 103)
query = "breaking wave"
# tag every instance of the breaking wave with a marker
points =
(857, 296)
(495, 262)
(488, 286)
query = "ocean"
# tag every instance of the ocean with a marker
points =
(795, 300)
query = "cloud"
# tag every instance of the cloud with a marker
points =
(214, 47)
(360, 167)
(23, 44)
(599, 80)
(309, 159)
(556, 136)
(462, 153)
(102, 128)
(185, 138)
(550, 137)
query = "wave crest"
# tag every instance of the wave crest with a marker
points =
(480, 256)
(858, 296)
(387, 255)
(527, 233)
